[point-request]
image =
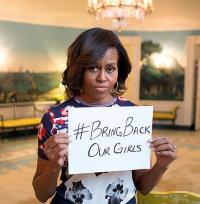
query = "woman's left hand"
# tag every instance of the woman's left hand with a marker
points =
(165, 151)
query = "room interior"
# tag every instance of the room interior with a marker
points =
(34, 37)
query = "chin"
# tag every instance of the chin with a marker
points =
(102, 92)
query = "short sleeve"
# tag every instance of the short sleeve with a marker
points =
(45, 131)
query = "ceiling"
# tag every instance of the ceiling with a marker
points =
(168, 14)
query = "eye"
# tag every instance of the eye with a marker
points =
(110, 69)
(93, 68)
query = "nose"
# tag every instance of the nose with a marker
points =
(101, 77)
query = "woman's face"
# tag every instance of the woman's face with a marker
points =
(99, 79)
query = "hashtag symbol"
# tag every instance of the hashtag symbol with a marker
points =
(80, 130)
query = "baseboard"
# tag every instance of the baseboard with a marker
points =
(18, 133)
(173, 127)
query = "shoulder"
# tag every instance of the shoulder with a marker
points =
(124, 102)
(60, 110)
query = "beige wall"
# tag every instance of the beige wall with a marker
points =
(132, 45)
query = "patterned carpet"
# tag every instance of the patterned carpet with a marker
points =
(17, 166)
(18, 161)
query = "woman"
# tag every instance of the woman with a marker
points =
(97, 68)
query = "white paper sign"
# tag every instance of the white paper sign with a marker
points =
(109, 139)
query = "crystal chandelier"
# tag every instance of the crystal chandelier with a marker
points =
(120, 11)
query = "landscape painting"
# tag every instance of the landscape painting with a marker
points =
(29, 86)
(162, 70)
(32, 60)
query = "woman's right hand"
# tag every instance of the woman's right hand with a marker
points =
(56, 148)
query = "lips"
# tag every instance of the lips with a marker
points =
(100, 87)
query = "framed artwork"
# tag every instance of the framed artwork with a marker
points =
(32, 59)
(161, 74)
(30, 86)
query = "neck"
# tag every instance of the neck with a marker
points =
(95, 101)
(99, 99)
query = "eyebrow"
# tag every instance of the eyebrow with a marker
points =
(112, 63)
(109, 63)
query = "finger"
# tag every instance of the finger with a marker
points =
(169, 154)
(61, 155)
(160, 141)
(57, 136)
(61, 162)
(170, 140)
(62, 135)
(49, 147)
(60, 148)
(62, 140)
(154, 139)
(57, 154)
(158, 138)
(165, 147)
(64, 153)
(54, 149)
(50, 144)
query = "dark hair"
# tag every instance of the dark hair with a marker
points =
(89, 47)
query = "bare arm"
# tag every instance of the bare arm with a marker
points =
(45, 179)
(47, 172)
(146, 180)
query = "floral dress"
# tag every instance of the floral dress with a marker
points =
(92, 188)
